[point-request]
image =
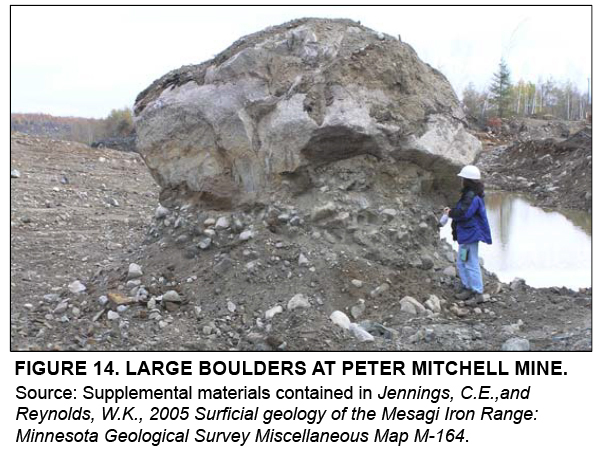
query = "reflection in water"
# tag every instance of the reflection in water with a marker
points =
(546, 248)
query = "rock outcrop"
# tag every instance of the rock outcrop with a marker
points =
(279, 103)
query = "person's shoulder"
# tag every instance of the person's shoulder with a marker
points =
(469, 195)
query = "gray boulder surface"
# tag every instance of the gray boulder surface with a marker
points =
(283, 101)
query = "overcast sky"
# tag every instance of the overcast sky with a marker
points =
(85, 61)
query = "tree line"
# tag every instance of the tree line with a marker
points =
(118, 123)
(503, 98)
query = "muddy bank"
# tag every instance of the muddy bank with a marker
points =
(260, 278)
(551, 172)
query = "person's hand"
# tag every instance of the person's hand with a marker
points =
(446, 210)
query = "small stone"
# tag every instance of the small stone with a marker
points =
(450, 256)
(359, 309)
(161, 212)
(340, 319)
(61, 308)
(134, 271)
(298, 301)
(122, 308)
(357, 283)
(112, 315)
(172, 307)
(450, 271)
(119, 298)
(231, 307)
(477, 311)
(209, 221)
(360, 333)
(433, 304)
(412, 306)
(171, 296)
(426, 262)
(302, 260)
(113, 202)
(483, 298)
(15, 173)
(76, 287)
(205, 244)
(245, 235)
(51, 298)
(516, 344)
(461, 312)
(207, 330)
(379, 290)
(132, 283)
(222, 223)
(273, 311)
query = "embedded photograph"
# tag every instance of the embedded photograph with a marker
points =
(309, 178)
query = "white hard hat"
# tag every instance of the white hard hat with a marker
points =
(470, 172)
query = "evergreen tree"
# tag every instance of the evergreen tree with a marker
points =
(501, 90)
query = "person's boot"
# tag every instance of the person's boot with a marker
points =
(466, 294)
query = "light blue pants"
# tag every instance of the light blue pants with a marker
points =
(469, 270)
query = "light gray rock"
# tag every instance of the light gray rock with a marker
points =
(245, 235)
(225, 129)
(51, 298)
(112, 315)
(134, 271)
(412, 306)
(450, 271)
(433, 304)
(76, 287)
(231, 306)
(379, 290)
(15, 173)
(222, 223)
(61, 308)
(205, 243)
(161, 212)
(516, 344)
(103, 300)
(357, 283)
(341, 320)
(298, 301)
(171, 296)
(302, 260)
(359, 309)
(273, 311)
(360, 333)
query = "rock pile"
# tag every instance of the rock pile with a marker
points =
(275, 105)
(555, 173)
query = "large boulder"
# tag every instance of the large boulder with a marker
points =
(293, 97)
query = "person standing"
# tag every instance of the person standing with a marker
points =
(470, 226)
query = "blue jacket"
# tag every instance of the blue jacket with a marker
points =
(470, 223)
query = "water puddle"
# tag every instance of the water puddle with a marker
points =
(546, 248)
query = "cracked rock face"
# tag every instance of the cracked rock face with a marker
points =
(290, 98)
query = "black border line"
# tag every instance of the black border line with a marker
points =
(310, 5)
